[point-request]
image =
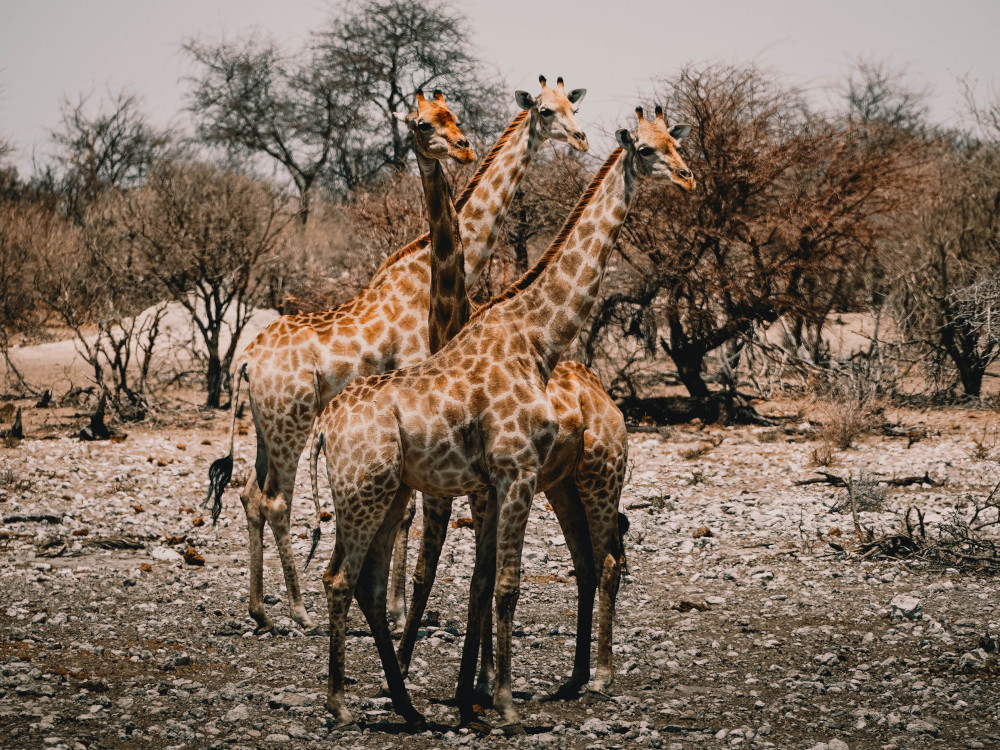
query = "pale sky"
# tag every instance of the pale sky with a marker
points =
(51, 49)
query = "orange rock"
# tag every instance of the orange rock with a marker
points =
(191, 557)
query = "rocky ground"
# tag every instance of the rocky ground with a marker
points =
(749, 618)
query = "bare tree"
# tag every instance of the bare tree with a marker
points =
(252, 98)
(876, 92)
(947, 270)
(110, 150)
(91, 280)
(207, 237)
(21, 227)
(788, 201)
(325, 113)
(386, 50)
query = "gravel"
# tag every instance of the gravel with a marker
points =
(759, 633)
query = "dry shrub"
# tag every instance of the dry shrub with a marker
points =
(985, 447)
(869, 495)
(10, 479)
(342, 246)
(852, 405)
(824, 454)
(697, 452)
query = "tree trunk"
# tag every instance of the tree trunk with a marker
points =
(520, 256)
(213, 380)
(305, 201)
(971, 374)
(689, 363)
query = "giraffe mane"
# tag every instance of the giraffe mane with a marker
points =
(543, 262)
(473, 183)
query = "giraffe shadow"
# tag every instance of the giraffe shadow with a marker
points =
(482, 699)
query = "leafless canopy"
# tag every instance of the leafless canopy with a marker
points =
(112, 149)
(789, 204)
(325, 113)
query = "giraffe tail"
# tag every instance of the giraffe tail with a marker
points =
(623, 526)
(319, 444)
(221, 470)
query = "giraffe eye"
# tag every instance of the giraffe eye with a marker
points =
(546, 112)
(646, 151)
(425, 126)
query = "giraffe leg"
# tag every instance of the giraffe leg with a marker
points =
(599, 482)
(606, 543)
(480, 590)
(514, 510)
(565, 501)
(481, 504)
(377, 506)
(487, 669)
(339, 581)
(251, 499)
(610, 578)
(397, 583)
(371, 596)
(437, 511)
(278, 509)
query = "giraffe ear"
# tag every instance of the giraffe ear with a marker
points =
(624, 137)
(524, 99)
(576, 96)
(679, 132)
(408, 119)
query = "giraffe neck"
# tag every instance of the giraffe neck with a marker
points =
(449, 304)
(555, 306)
(482, 215)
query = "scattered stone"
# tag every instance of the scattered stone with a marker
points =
(237, 715)
(165, 554)
(907, 607)
(922, 727)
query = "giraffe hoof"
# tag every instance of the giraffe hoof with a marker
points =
(264, 623)
(566, 692)
(316, 630)
(476, 726)
(594, 696)
(513, 730)
(347, 726)
(416, 723)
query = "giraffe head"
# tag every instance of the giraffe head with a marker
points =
(556, 110)
(653, 148)
(435, 130)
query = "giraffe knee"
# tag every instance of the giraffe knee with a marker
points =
(506, 596)
(276, 506)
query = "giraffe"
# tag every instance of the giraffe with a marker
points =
(299, 362)
(475, 417)
(447, 261)
(448, 311)
(582, 477)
